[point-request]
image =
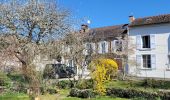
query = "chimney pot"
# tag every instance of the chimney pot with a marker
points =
(84, 27)
(131, 18)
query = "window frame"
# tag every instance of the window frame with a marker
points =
(148, 56)
(145, 40)
(116, 47)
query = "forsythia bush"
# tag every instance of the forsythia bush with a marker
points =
(103, 70)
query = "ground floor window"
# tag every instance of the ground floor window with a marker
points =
(146, 61)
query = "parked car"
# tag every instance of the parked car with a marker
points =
(55, 71)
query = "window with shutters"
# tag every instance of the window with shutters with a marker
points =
(116, 45)
(146, 41)
(146, 61)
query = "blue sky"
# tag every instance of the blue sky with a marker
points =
(113, 12)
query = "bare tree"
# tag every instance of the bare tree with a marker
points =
(27, 28)
(74, 48)
(124, 50)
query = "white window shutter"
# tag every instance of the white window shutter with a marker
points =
(139, 60)
(138, 42)
(107, 46)
(99, 47)
(93, 47)
(153, 61)
(152, 38)
(113, 46)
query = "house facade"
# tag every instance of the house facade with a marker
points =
(106, 42)
(151, 37)
(103, 42)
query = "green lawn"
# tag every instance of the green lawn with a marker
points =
(128, 84)
(63, 93)
(98, 98)
(14, 96)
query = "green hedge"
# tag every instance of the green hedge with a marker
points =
(85, 93)
(137, 93)
(64, 84)
(152, 83)
(83, 84)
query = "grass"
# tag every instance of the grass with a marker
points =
(14, 96)
(129, 84)
(98, 98)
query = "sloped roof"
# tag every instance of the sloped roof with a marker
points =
(108, 32)
(151, 20)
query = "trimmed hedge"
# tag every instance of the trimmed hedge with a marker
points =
(163, 84)
(137, 93)
(85, 93)
(83, 84)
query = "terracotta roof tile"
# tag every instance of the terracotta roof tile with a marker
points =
(151, 20)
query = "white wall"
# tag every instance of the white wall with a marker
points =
(161, 32)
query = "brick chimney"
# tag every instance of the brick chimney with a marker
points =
(131, 18)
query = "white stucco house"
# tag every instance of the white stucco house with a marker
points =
(151, 37)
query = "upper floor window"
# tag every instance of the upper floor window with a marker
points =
(117, 45)
(103, 47)
(89, 48)
(146, 41)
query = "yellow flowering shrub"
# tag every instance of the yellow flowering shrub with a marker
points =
(102, 70)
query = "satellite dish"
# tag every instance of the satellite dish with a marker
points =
(88, 21)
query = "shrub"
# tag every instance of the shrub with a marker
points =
(164, 95)
(85, 93)
(64, 84)
(51, 90)
(4, 80)
(19, 83)
(74, 92)
(138, 94)
(85, 84)
(156, 83)
(103, 70)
